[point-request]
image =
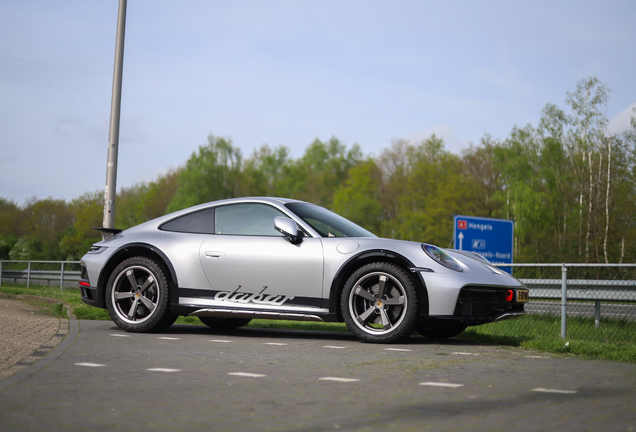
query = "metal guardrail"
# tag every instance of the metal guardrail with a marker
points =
(31, 274)
(586, 290)
(583, 289)
(615, 291)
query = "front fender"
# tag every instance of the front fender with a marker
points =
(366, 257)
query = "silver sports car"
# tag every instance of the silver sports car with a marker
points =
(230, 261)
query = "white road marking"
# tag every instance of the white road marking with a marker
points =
(168, 338)
(220, 340)
(339, 379)
(247, 374)
(464, 353)
(89, 364)
(543, 390)
(441, 384)
(119, 335)
(275, 343)
(334, 347)
(398, 349)
(163, 370)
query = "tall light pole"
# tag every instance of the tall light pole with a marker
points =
(113, 137)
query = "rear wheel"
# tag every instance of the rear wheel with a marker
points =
(379, 303)
(137, 296)
(224, 323)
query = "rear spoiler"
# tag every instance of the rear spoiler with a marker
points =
(107, 232)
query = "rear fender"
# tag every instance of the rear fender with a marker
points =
(144, 250)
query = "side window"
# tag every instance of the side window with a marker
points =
(247, 219)
(201, 222)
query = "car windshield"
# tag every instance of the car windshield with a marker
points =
(327, 223)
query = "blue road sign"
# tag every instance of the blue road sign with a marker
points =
(491, 238)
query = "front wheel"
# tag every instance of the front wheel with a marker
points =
(379, 303)
(137, 296)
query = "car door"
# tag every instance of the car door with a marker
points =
(249, 264)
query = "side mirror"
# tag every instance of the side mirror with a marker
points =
(288, 228)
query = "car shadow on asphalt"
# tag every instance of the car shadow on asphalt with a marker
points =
(270, 333)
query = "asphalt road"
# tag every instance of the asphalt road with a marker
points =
(190, 378)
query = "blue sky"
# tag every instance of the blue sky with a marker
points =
(286, 72)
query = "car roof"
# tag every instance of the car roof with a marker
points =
(267, 200)
(270, 200)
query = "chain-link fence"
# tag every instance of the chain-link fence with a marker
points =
(591, 302)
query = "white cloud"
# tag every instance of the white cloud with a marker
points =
(622, 121)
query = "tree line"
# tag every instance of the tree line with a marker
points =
(567, 183)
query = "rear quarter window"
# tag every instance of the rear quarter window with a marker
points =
(200, 222)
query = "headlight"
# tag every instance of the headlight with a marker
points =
(97, 249)
(442, 257)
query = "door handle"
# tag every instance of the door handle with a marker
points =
(214, 254)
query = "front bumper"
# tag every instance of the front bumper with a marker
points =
(481, 305)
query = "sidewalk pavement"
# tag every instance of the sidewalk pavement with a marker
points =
(27, 334)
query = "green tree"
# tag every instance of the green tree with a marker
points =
(395, 166)
(523, 196)
(10, 226)
(569, 183)
(158, 195)
(209, 175)
(620, 241)
(322, 169)
(435, 190)
(263, 172)
(88, 212)
(358, 198)
(479, 164)
(44, 223)
(145, 201)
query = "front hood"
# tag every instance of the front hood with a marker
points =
(473, 267)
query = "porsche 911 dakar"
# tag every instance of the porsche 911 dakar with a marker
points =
(231, 261)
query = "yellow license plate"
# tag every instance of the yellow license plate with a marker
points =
(522, 295)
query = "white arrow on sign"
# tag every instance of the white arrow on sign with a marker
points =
(461, 238)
